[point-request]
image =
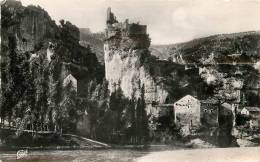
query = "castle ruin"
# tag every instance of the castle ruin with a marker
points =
(126, 48)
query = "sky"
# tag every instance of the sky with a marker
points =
(168, 21)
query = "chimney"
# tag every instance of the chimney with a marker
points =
(110, 16)
(108, 13)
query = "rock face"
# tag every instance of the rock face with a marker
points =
(30, 27)
(126, 51)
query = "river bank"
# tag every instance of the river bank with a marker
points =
(9, 140)
(246, 154)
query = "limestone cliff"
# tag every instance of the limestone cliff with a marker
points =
(126, 66)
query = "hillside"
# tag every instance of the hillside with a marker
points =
(223, 46)
(95, 41)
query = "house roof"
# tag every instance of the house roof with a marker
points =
(227, 106)
(68, 79)
(185, 98)
(252, 109)
(210, 101)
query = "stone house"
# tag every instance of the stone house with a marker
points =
(254, 123)
(187, 111)
(214, 113)
(254, 114)
(251, 111)
(210, 112)
(164, 109)
(70, 79)
(227, 116)
(4, 122)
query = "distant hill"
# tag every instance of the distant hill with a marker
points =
(161, 51)
(222, 46)
(94, 41)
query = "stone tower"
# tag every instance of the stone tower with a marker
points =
(111, 19)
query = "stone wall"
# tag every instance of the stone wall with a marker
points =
(210, 113)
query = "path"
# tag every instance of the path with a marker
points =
(80, 139)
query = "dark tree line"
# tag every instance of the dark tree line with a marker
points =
(123, 120)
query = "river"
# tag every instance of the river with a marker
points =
(110, 155)
(140, 155)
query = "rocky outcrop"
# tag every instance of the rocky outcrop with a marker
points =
(126, 65)
(31, 26)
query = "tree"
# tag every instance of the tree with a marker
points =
(144, 115)
(67, 117)
(141, 118)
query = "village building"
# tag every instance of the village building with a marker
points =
(210, 112)
(164, 109)
(254, 123)
(226, 109)
(227, 115)
(251, 111)
(161, 110)
(214, 113)
(70, 79)
(50, 51)
(4, 122)
(187, 111)
(254, 116)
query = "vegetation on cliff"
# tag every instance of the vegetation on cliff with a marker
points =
(31, 83)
